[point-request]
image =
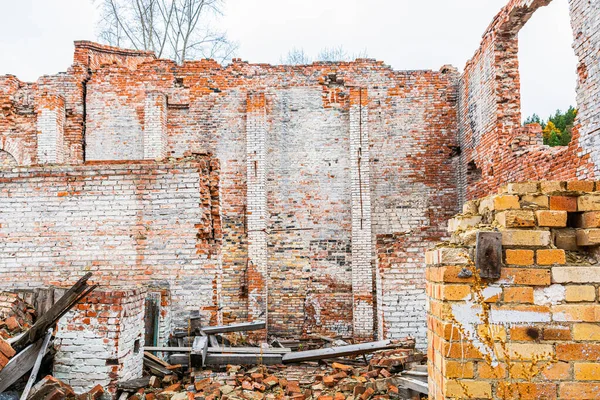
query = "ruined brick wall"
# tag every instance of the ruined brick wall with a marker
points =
(495, 149)
(294, 196)
(144, 222)
(586, 33)
(532, 333)
(100, 341)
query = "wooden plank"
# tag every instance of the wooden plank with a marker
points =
(243, 359)
(157, 360)
(235, 350)
(488, 257)
(19, 365)
(199, 351)
(249, 326)
(342, 351)
(50, 318)
(413, 384)
(36, 366)
(134, 385)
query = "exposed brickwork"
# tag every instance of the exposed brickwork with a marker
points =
(100, 342)
(145, 222)
(333, 176)
(540, 337)
(495, 148)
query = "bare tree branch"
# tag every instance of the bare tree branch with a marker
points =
(176, 29)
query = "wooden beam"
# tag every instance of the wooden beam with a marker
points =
(199, 351)
(413, 384)
(235, 350)
(49, 319)
(243, 359)
(342, 351)
(249, 326)
(36, 366)
(19, 365)
(134, 385)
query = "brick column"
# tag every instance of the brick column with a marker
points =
(256, 128)
(50, 126)
(362, 246)
(101, 341)
(535, 331)
(155, 126)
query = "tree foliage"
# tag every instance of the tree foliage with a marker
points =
(557, 129)
(297, 56)
(175, 29)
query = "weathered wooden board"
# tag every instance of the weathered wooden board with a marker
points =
(199, 351)
(413, 384)
(333, 352)
(219, 349)
(134, 385)
(249, 326)
(488, 257)
(19, 365)
(243, 359)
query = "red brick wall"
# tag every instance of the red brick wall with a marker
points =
(491, 137)
(141, 222)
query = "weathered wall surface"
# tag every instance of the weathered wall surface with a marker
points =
(534, 331)
(495, 148)
(303, 168)
(101, 341)
(145, 222)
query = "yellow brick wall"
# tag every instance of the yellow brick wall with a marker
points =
(535, 332)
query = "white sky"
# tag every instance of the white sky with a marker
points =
(36, 36)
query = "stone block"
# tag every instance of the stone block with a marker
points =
(499, 203)
(579, 274)
(588, 203)
(463, 223)
(520, 188)
(587, 371)
(588, 237)
(526, 276)
(552, 187)
(516, 218)
(551, 257)
(583, 312)
(471, 207)
(578, 390)
(551, 218)
(586, 332)
(475, 389)
(534, 238)
(565, 239)
(590, 219)
(578, 294)
(521, 294)
(580, 186)
(563, 203)
(535, 200)
(519, 257)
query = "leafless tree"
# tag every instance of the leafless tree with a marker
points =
(176, 29)
(297, 56)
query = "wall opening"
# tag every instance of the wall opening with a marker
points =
(548, 71)
(7, 160)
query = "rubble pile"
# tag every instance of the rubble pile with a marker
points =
(339, 380)
(16, 316)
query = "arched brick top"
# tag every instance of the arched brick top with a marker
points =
(14, 147)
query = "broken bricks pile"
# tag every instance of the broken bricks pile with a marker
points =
(336, 381)
(16, 316)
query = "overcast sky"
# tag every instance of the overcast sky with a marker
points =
(36, 36)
